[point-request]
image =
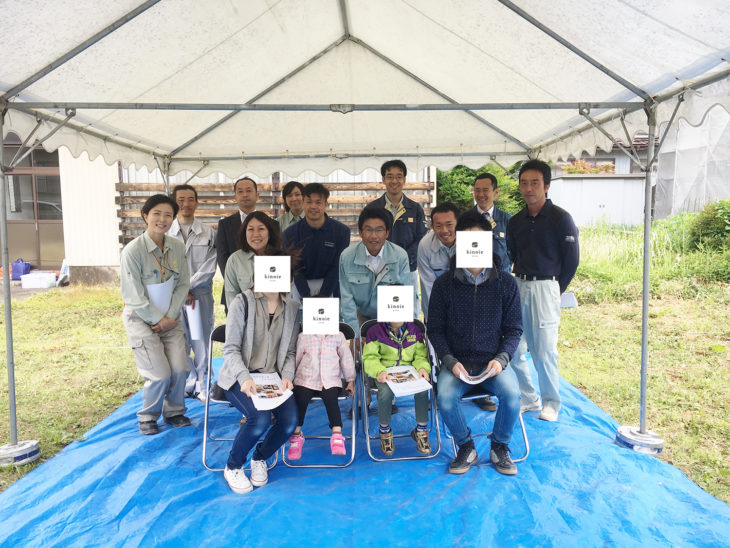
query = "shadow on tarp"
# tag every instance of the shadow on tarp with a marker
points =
(577, 488)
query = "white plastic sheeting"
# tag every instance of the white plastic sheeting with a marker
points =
(379, 52)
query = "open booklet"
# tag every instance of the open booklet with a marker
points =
(405, 381)
(476, 379)
(269, 392)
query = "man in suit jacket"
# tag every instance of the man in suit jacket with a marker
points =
(226, 242)
(485, 192)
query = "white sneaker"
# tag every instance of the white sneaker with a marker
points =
(549, 414)
(202, 396)
(259, 472)
(534, 405)
(237, 480)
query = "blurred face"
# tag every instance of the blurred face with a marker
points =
(314, 207)
(257, 236)
(159, 219)
(373, 235)
(394, 181)
(533, 187)
(444, 226)
(246, 196)
(485, 194)
(294, 201)
(187, 203)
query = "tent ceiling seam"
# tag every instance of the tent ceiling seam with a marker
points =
(344, 18)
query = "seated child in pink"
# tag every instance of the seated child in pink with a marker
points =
(321, 362)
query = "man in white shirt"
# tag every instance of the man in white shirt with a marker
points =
(200, 251)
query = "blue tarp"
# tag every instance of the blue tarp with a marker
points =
(577, 488)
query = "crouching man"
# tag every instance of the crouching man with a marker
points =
(475, 324)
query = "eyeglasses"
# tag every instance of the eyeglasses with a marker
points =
(379, 231)
(391, 178)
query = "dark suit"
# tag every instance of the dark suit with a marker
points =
(226, 243)
(501, 218)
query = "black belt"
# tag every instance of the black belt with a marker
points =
(535, 278)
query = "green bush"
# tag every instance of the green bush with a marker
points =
(455, 186)
(711, 228)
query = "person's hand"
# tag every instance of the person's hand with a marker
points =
(458, 369)
(248, 387)
(350, 388)
(190, 300)
(286, 384)
(383, 377)
(494, 368)
(165, 324)
(424, 374)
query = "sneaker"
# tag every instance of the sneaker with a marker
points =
(237, 480)
(202, 396)
(337, 444)
(177, 421)
(386, 443)
(421, 439)
(259, 473)
(486, 403)
(534, 405)
(549, 414)
(465, 457)
(217, 394)
(191, 394)
(295, 447)
(499, 455)
(148, 428)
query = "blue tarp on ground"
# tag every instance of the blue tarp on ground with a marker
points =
(119, 488)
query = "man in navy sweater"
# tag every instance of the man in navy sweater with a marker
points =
(474, 325)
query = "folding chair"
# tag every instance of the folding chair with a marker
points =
(349, 334)
(217, 335)
(368, 386)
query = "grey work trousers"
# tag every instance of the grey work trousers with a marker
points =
(162, 363)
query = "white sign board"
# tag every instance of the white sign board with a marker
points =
(320, 316)
(395, 303)
(474, 249)
(272, 274)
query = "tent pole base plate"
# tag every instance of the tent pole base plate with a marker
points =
(632, 438)
(23, 452)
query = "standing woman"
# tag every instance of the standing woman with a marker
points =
(156, 336)
(261, 337)
(293, 199)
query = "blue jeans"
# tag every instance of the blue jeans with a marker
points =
(257, 423)
(504, 386)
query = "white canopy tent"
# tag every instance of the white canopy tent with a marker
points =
(284, 85)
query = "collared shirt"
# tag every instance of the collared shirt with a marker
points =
(544, 245)
(433, 260)
(239, 274)
(142, 263)
(480, 278)
(243, 215)
(373, 262)
(409, 225)
(394, 208)
(490, 213)
(287, 219)
(200, 252)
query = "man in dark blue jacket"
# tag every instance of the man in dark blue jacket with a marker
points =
(321, 240)
(485, 193)
(474, 325)
(409, 220)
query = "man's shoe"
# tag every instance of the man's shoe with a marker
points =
(259, 473)
(217, 394)
(237, 480)
(534, 405)
(177, 421)
(386, 443)
(148, 428)
(421, 439)
(486, 403)
(549, 414)
(465, 457)
(499, 455)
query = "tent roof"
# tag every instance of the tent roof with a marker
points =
(248, 86)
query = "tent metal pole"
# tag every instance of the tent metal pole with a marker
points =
(595, 124)
(580, 53)
(345, 18)
(345, 156)
(628, 137)
(81, 47)
(680, 99)
(70, 113)
(25, 142)
(205, 163)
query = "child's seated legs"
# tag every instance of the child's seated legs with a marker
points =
(420, 432)
(385, 401)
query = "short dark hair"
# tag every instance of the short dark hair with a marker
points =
(445, 207)
(184, 187)
(272, 227)
(375, 212)
(470, 219)
(486, 176)
(157, 199)
(288, 189)
(540, 166)
(393, 163)
(316, 188)
(255, 186)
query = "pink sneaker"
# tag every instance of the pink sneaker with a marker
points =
(295, 447)
(337, 444)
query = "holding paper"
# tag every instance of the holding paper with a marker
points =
(405, 381)
(269, 391)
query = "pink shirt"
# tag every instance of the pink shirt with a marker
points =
(321, 360)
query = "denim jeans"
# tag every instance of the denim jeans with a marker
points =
(257, 423)
(504, 386)
(540, 321)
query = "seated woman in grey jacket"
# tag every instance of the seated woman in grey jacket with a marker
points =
(261, 337)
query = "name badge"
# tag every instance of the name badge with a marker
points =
(410, 219)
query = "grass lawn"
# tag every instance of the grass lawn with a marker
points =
(73, 367)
